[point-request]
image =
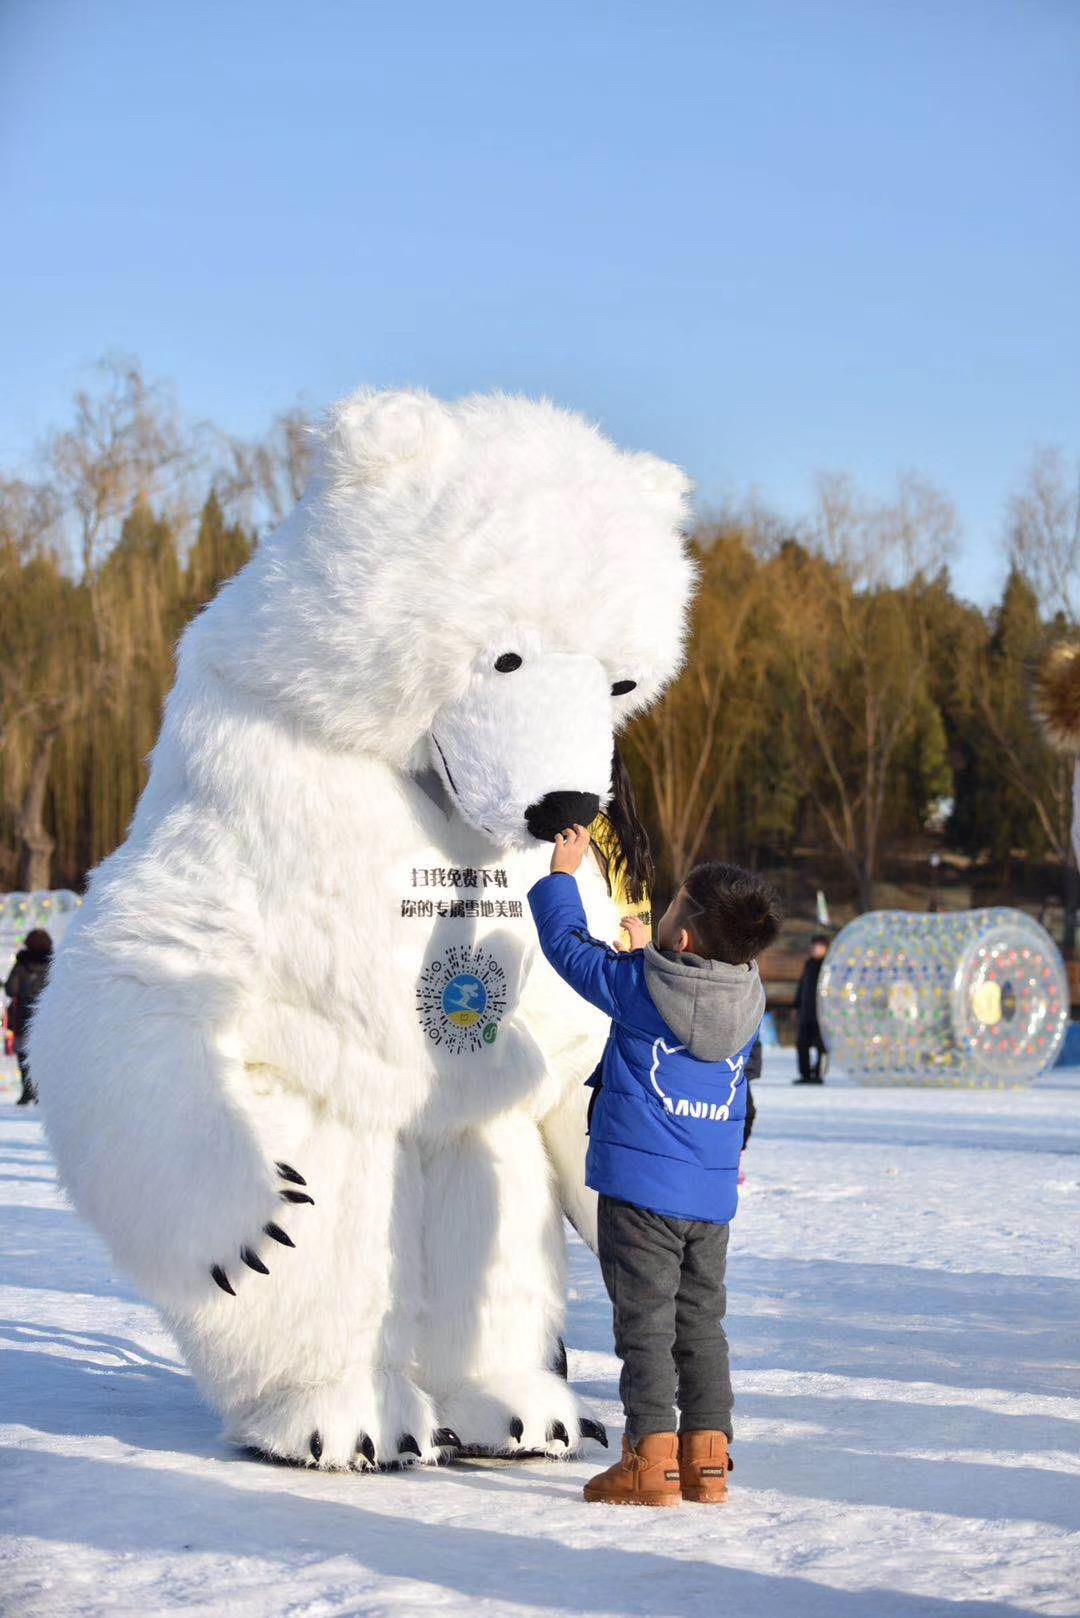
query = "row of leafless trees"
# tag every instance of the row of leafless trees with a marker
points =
(836, 688)
(131, 521)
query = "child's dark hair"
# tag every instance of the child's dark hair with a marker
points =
(736, 913)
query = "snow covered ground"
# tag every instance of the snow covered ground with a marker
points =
(905, 1314)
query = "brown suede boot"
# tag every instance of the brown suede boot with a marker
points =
(704, 1464)
(647, 1474)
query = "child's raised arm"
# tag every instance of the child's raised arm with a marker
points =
(589, 966)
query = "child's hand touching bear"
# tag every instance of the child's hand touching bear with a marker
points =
(571, 847)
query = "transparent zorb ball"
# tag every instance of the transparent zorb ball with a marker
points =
(975, 997)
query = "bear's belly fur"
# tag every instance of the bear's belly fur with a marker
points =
(409, 1019)
(392, 994)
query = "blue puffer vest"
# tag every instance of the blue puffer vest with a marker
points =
(667, 1126)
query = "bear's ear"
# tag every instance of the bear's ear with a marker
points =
(662, 480)
(371, 435)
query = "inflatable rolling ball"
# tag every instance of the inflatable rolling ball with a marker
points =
(979, 997)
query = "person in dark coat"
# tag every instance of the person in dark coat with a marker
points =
(24, 984)
(808, 1039)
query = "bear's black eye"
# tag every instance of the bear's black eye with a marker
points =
(507, 662)
(621, 687)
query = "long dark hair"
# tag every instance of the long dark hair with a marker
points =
(630, 857)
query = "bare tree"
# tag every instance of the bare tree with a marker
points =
(858, 641)
(29, 525)
(1044, 533)
(126, 445)
(29, 517)
(885, 543)
(29, 530)
(1044, 546)
(62, 645)
(691, 747)
(126, 441)
(38, 697)
(263, 478)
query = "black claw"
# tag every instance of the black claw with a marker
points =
(366, 1448)
(407, 1445)
(289, 1173)
(222, 1279)
(557, 1434)
(253, 1261)
(445, 1438)
(315, 1446)
(278, 1235)
(296, 1196)
(517, 1428)
(594, 1429)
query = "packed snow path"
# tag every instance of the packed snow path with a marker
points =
(905, 1304)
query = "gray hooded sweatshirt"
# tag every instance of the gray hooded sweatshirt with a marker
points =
(714, 1008)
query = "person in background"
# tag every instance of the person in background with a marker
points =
(24, 984)
(808, 1039)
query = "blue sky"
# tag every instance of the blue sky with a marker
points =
(761, 237)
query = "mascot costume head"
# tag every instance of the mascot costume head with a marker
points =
(300, 1063)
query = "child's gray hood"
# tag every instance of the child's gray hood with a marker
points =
(713, 1008)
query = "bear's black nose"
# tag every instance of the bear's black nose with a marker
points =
(558, 810)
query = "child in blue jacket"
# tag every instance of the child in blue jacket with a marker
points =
(666, 1130)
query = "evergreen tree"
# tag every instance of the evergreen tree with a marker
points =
(1014, 795)
(219, 551)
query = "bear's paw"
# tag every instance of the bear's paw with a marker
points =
(366, 1420)
(520, 1413)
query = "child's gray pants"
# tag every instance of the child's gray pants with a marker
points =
(665, 1279)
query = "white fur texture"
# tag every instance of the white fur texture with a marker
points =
(324, 879)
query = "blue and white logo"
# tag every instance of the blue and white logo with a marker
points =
(464, 1000)
(684, 1107)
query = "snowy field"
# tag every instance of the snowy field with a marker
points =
(905, 1312)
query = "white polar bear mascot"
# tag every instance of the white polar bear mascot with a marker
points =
(300, 1064)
